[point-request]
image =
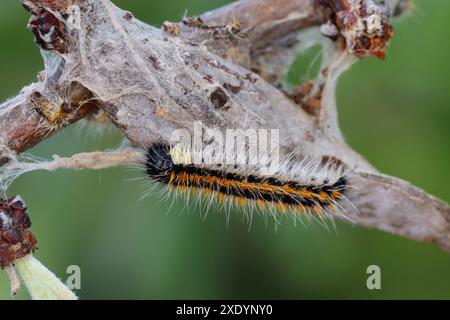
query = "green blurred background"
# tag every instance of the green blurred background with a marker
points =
(396, 113)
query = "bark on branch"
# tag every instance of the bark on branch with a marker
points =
(28, 118)
(151, 81)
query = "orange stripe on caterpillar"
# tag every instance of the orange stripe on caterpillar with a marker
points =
(264, 191)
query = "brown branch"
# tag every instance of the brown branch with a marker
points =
(23, 122)
(265, 21)
(31, 127)
(393, 205)
(18, 125)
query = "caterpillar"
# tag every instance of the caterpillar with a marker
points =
(302, 188)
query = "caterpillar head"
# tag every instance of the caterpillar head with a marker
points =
(158, 160)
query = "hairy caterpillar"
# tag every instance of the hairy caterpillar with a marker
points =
(304, 188)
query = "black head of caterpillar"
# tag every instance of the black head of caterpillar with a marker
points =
(303, 194)
(159, 163)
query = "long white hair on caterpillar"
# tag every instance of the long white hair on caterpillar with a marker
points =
(305, 189)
